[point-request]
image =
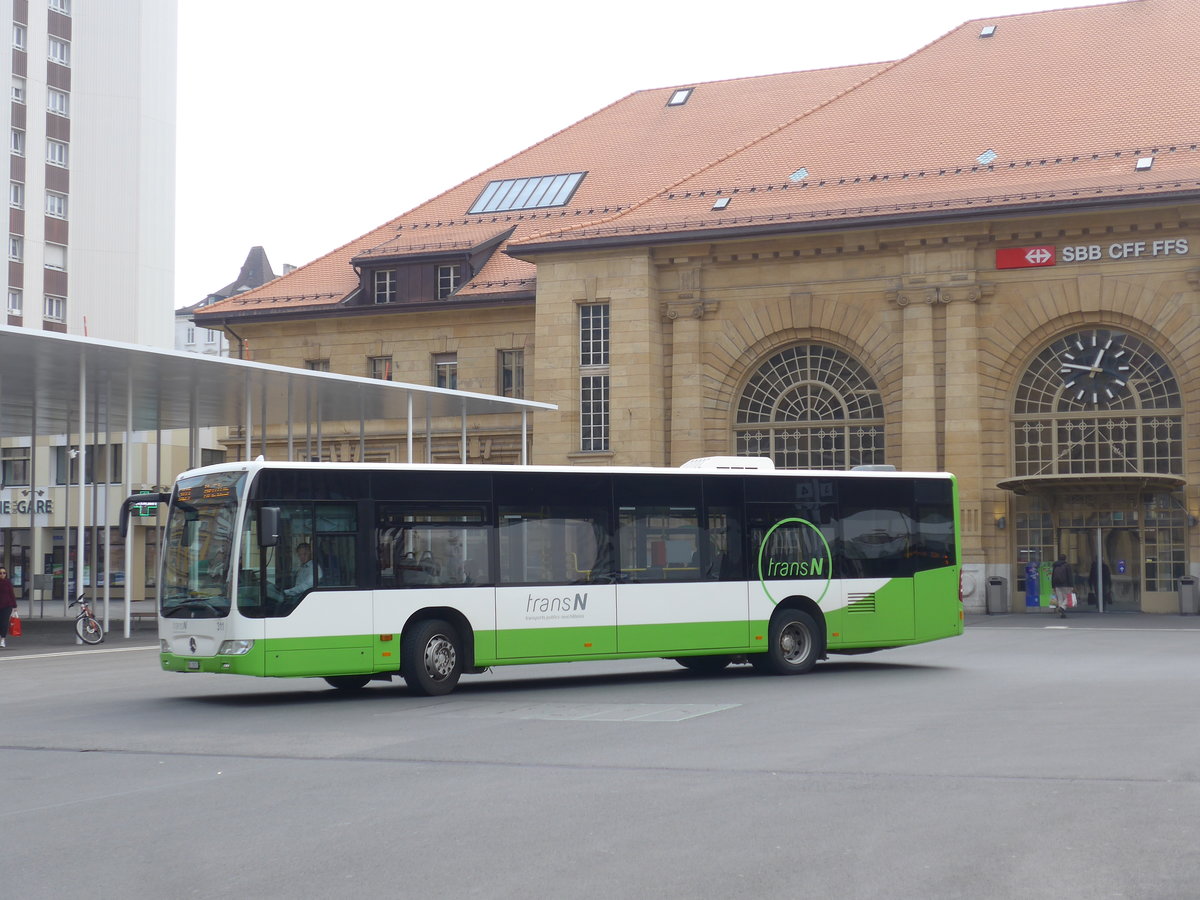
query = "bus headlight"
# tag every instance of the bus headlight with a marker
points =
(164, 646)
(235, 648)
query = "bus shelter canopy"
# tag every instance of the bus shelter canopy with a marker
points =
(45, 377)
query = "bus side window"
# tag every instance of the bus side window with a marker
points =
(295, 533)
(544, 545)
(337, 532)
(934, 545)
(658, 527)
(877, 529)
(335, 560)
(461, 553)
(721, 551)
(721, 540)
(429, 544)
(554, 528)
(659, 543)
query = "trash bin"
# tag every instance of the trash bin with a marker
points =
(997, 595)
(1189, 596)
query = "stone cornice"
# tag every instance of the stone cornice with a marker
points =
(688, 308)
(971, 293)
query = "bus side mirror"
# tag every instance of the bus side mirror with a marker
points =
(143, 501)
(268, 526)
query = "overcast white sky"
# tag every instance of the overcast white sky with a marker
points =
(304, 124)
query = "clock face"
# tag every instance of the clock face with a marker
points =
(1094, 368)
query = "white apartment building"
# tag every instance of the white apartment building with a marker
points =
(91, 125)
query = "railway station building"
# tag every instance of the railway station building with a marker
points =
(982, 258)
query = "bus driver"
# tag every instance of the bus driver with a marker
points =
(305, 571)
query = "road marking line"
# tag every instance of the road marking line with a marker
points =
(6, 657)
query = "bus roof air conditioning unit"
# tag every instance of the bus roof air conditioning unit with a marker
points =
(736, 463)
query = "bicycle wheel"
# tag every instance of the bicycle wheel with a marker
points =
(89, 630)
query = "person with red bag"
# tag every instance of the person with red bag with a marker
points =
(1062, 579)
(8, 603)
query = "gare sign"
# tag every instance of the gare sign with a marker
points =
(1049, 254)
(24, 507)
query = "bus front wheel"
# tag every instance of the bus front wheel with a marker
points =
(793, 644)
(431, 658)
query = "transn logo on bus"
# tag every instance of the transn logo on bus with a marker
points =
(795, 549)
(781, 568)
(578, 603)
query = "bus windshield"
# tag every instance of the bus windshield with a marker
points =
(198, 544)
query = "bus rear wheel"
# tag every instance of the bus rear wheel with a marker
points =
(431, 658)
(793, 644)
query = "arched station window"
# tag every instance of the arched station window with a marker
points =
(1094, 402)
(811, 406)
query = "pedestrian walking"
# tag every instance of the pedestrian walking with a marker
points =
(1062, 579)
(1100, 580)
(8, 602)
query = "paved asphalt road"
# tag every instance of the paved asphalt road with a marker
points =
(1030, 758)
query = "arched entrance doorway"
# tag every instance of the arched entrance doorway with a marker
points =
(1097, 460)
(1125, 536)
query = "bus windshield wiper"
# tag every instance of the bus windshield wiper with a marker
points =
(173, 605)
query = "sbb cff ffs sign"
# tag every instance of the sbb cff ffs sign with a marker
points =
(1025, 257)
(1049, 255)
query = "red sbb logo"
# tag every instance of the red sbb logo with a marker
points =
(1025, 257)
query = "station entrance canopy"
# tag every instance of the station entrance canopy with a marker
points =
(55, 383)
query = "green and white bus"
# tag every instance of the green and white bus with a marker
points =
(359, 572)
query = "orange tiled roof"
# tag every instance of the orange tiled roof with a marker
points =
(1065, 100)
(629, 150)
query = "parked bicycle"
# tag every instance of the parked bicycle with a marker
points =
(86, 625)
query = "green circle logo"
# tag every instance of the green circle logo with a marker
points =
(796, 562)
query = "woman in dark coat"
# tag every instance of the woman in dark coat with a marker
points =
(8, 602)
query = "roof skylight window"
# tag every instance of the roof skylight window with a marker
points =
(986, 157)
(987, 31)
(721, 202)
(680, 97)
(799, 175)
(1144, 164)
(540, 192)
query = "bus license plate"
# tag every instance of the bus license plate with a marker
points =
(193, 665)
